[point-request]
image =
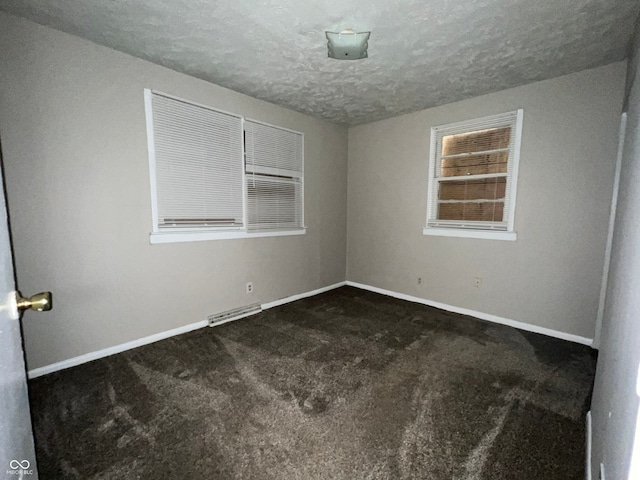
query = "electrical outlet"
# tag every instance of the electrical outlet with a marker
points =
(477, 282)
(419, 280)
(601, 472)
(249, 287)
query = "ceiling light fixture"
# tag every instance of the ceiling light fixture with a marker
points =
(348, 45)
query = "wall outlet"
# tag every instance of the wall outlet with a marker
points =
(477, 282)
(249, 287)
(419, 280)
(602, 472)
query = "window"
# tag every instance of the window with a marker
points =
(275, 177)
(473, 171)
(216, 175)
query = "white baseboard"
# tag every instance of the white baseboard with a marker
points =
(587, 462)
(88, 357)
(300, 296)
(483, 316)
(105, 352)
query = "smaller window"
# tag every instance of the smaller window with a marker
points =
(473, 171)
(274, 177)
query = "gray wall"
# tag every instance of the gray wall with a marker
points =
(73, 136)
(550, 277)
(615, 403)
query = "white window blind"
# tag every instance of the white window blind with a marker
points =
(197, 172)
(473, 173)
(275, 177)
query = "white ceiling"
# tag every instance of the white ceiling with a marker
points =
(422, 53)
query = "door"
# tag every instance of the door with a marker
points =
(17, 455)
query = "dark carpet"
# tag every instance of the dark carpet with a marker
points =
(344, 385)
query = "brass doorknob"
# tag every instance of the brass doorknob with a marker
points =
(40, 302)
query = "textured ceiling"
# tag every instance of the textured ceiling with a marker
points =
(422, 53)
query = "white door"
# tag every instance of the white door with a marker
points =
(17, 455)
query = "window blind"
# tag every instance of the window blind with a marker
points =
(275, 177)
(198, 165)
(471, 177)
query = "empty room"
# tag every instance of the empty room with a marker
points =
(320, 240)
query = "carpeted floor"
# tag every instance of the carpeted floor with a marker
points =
(344, 385)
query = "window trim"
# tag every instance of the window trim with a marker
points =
(475, 229)
(469, 233)
(192, 236)
(159, 236)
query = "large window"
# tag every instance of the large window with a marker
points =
(473, 170)
(217, 175)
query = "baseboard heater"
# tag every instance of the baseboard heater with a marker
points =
(234, 314)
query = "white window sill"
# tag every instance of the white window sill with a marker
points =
(173, 237)
(469, 233)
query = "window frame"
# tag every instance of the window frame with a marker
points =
(482, 230)
(159, 235)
